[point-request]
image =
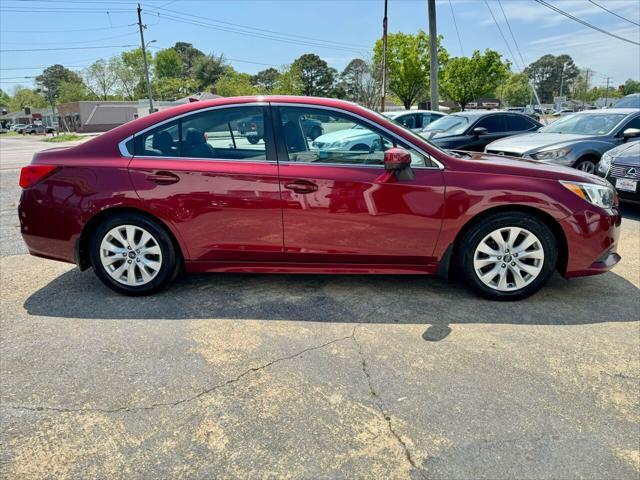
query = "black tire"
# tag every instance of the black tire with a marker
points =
(314, 133)
(170, 258)
(466, 248)
(587, 164)
(253, 140)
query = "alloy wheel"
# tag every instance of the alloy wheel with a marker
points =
(587, 166)
(130, 255)
(508, 259)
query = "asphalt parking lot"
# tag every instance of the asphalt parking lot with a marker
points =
(262, 376)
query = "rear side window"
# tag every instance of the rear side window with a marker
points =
(234, 133)
(493, 124)
(162, 141)
(516, 123)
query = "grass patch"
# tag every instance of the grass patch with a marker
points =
(9, 134)
(67, 137)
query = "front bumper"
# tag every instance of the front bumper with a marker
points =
(592, 241)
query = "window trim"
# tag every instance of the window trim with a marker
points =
(276, 118)
(267, 114)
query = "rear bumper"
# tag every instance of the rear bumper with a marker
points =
(592, 241)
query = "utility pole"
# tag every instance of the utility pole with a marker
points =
(586, 88)
(144, 58)
(606, 95)
(384, 57)
(562, 77)
(433, 54)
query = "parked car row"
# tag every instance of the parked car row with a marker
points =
(29, 129)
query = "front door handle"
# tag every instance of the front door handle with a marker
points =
(164, 178)
(301, 186)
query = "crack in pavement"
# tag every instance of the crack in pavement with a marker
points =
(378, 403)
(191, 398)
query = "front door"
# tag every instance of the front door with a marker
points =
(339, 204)
(218, 187)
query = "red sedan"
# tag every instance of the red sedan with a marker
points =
(184, 189)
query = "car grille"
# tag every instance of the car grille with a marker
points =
(622, 171)
(502, 152)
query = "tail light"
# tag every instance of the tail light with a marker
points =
(254, 126)
(32, 174)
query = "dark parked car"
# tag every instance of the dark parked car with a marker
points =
(253, 129)
(629, 101)
(621, 166)
(474, 130)
(33, 129)
(164, 193)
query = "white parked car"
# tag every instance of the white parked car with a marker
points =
(414, 120)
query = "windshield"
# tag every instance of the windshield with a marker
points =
(585, 124)
(630, 101)
(452, 124)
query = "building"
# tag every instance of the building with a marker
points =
(95, 116)
(143, 105)
(27, 116)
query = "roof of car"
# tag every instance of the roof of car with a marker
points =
(625, 111)
(402, 112)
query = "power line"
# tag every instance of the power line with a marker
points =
(515, 62)
(614, 13)
(456, 25)
(250, 29)
(31, 32)
(71, 43)
(512, 35)
(64, 48)
(587, 24)
(42, 67)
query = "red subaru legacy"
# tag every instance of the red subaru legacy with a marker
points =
(185, 189)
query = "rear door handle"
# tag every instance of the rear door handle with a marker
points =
(164, 178)
(301, 186)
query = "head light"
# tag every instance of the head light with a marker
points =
(599, 195)
(551, 154)
(604, 165)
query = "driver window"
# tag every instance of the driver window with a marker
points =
(323, 136)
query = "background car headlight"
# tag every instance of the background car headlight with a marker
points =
(604, 165)
(599, 195)
(551, 154)
(339, 144)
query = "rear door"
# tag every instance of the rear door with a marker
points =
(216, 185)
(340, 206)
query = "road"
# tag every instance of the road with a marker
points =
(256, 376)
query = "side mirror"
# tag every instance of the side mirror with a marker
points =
(479, 131)
(396, 159)
(631, 133)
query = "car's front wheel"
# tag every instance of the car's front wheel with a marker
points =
(132, 254)
(507, 256)
(253, 140)
(586, 165)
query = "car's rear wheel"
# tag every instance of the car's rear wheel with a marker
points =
(507, 256)
(360, 147)
(586, 165)
(253, 140)
(132, 254)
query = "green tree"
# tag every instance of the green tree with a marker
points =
(465, 79)
(25, 97)
(549, 72)
(265, 80)
(74, 92)
(5, 99)
(188, 54)
(100, 78)
(408, 64)
(233, 84)
(173, 88)
(51, 78)
(208, 69)
(168, 64)
(316, 77)
(601, 92)
(515, 91)
(631, 86)
(289, 81)
(352, 77)
(130, 72)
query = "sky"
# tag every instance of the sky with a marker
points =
(256, 34)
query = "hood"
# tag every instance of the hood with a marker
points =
(528, 142)
(499, 164)
(627, 153)
(351, 134)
